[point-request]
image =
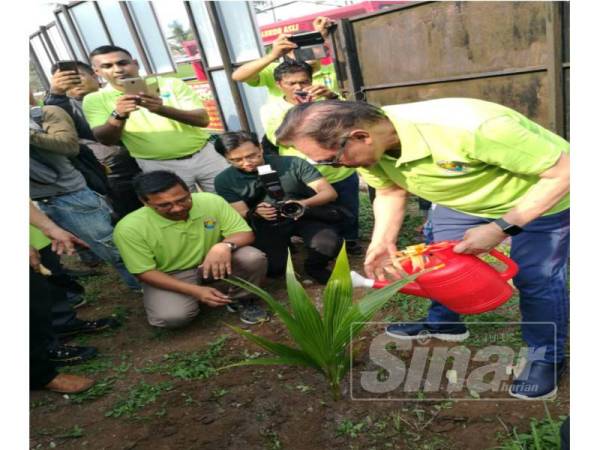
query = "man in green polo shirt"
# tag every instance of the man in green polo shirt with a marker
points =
(295, 81)
(181, 246)
(492, 172)
(162, 132)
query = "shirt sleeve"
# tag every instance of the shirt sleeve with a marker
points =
(375, 177)
(224, 187)
(134, 249)
(60, 135)
(265, 77)
(307, 173)
(517, 145)
(94, 110)
(231, 221)
(186, 98)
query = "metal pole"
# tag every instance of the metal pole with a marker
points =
(136, 38)
(213, 14)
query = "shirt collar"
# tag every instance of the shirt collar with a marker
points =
(414, 145)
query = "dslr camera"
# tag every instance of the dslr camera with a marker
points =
(311, 46)
(275, 195)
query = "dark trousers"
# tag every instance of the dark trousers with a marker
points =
(273, 238)
(347, 191)
(41, 370)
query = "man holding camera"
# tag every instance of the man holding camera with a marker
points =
(280, 196)
(161, 131)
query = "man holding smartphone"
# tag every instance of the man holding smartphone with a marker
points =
(162, 132)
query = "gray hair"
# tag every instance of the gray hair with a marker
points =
(326, 122)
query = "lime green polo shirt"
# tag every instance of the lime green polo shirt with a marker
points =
(148, 241)
(271, 115)
(470, 155)
(37, 239)
(147, 135)
(325, 76)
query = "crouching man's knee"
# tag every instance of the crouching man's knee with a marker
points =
(172, 315)
(250, 264)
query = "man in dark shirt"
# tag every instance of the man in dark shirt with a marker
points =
(242, 186)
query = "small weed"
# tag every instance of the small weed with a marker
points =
(304, 388)
(46, 400)
(189, 366)
(91, 367)
(98, 390)
(121, 313)
(218, 393)
(73, 433)
(348, 428)
(139, 396)
(123, 367)
(542, 435)
(273, 441)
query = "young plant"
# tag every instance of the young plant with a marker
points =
(322, 340)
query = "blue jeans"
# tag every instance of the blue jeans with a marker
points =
(87, 215)
(542, 252)
(347, 191)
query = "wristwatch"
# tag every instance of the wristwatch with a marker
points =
(232, 245)
(508, 228)
(117, 116)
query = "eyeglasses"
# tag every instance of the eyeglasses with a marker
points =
(185, 201)
(252, 157)
(335, 160)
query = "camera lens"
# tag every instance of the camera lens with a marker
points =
(293, 210)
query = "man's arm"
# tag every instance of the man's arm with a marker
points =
(204, 294)
(62, 240)
(110, 132)
(248, 73)
(60, 134)
(325, 193)
(388, 210)
(552, 186)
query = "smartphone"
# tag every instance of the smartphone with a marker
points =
(134, 85)
(152, 86)
(65, 66)
(308, 38)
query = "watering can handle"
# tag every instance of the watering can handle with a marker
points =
(511, 267)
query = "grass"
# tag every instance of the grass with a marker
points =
(100, 389)
(189, 366)
(139, 396)
(350, 429)
(542, 435)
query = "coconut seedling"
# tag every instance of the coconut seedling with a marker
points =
(321, 339)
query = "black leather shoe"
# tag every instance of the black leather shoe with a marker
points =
(537, 381)
(67, 355)
(421, 330)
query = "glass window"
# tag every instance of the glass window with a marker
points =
(42, 55)
(149, 30)
(226, 100)
(239, 31)
(175, 25)
(36, 86)
(89, 26)
(70, 37)
(118, 29)
(254, 99)
(58, 43)
(207, 35)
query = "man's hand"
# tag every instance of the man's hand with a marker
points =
(126, 104)
(210, 296)
(322, 25)
(266, 211)
(151, 103)
(217, 263)
(61, 81)
(64, 242)
(34, 259)
(480, 239)
(377, 258)
(281, 46)
(317, 90)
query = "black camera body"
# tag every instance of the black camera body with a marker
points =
(275, 195)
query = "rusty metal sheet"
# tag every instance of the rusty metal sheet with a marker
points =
(526, 93)
(441, 39)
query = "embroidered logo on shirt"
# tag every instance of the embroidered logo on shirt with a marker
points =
(210, 224)
(452, 166)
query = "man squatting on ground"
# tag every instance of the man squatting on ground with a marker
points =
(181, 246)
(492, 172)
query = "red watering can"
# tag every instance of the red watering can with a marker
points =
(463, 283)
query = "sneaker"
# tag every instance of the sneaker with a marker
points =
(452, 332)
(66, 355)
(75, 300)
(537, 381)
(86, 326)
(249, 310)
